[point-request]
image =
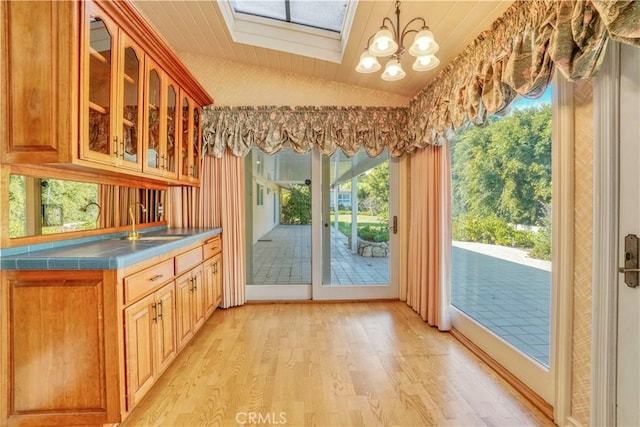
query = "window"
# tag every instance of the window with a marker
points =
(326, 15)
(260, 194)
(501, 259)
(317, 29)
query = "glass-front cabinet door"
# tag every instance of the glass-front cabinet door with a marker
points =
(98, 130)
(195, 147)
(186, 120)
(154, 111)
(112, 93)
(170, 159)
(131, 76)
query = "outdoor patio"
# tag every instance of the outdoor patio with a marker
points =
(283, 256)
(499, 287)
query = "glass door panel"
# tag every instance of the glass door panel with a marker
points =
(131, 108)
(185, 139)
(357, 197)
(358, 232)
(278, 224)
(195, 150)
(153, 119)
(172, 116)
(99, 88)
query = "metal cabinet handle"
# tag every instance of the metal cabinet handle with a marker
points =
(155, 312)
(156, 277)
(161, 310)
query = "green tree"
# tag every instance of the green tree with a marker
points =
(296, 205)
(504, 168)
(373, 190)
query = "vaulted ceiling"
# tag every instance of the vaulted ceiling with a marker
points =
(197, 27)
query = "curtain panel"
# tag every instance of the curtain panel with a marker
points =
(429, 252)
(220, 204)
(516, 56)
(302, 128)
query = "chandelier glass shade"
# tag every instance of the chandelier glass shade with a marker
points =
(389, 41)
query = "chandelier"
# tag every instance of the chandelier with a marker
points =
(389, 41)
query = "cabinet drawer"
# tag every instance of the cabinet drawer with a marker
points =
(212, 247)
(188, 260)
(144, 281)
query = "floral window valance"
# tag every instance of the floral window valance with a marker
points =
(327, 128)
(516, 56)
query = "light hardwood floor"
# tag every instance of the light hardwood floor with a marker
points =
(331, 364)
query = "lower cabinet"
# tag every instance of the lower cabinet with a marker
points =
(189, 305)
(212, 283)
(82, 347)
(59, 339)
(150, 340)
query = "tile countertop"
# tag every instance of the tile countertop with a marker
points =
(108, 252)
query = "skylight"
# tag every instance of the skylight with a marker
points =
(326, 15)
(317, 29)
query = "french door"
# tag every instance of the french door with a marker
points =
(628, 340)
(321, 227)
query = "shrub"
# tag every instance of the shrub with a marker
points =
(296, 205)
(374, 234)
(490, 230)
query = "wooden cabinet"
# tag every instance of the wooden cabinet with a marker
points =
(189, 305)
(83, 347)
(212, 272)
(112, 93)
(161, 129)
(190, 138)
(93, 87)
(59, 332)
(150, 340)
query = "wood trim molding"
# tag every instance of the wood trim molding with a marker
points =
(563, 240)
(606, 102)
(513, 381)
(131, 21)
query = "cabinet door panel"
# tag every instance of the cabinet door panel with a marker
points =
(99, 138)
(184, 328)
(54, 320)
(186, 120)
(218, 277)
(166, 331)
(139, 325)
(131, 75)
(170, 158)
(197, 308)
(154, 109)
(209, 278)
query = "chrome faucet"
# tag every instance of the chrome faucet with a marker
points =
(133, 234)
(84, 209)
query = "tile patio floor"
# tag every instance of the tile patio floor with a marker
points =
(283, 256)
(506, 296)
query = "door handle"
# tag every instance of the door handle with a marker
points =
(631, 268)
(394, 225)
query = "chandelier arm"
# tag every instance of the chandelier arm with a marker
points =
(405, 32)
(416, 19)
(386, 19)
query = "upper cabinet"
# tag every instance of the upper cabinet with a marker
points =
(112, 92)
(190, 141)
(124, 114)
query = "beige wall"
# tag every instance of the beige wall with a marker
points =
(235, 84)
(583, 224)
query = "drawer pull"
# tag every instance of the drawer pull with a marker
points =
(156, 277)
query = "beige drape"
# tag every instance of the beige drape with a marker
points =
(218, 202)
(429, 250)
